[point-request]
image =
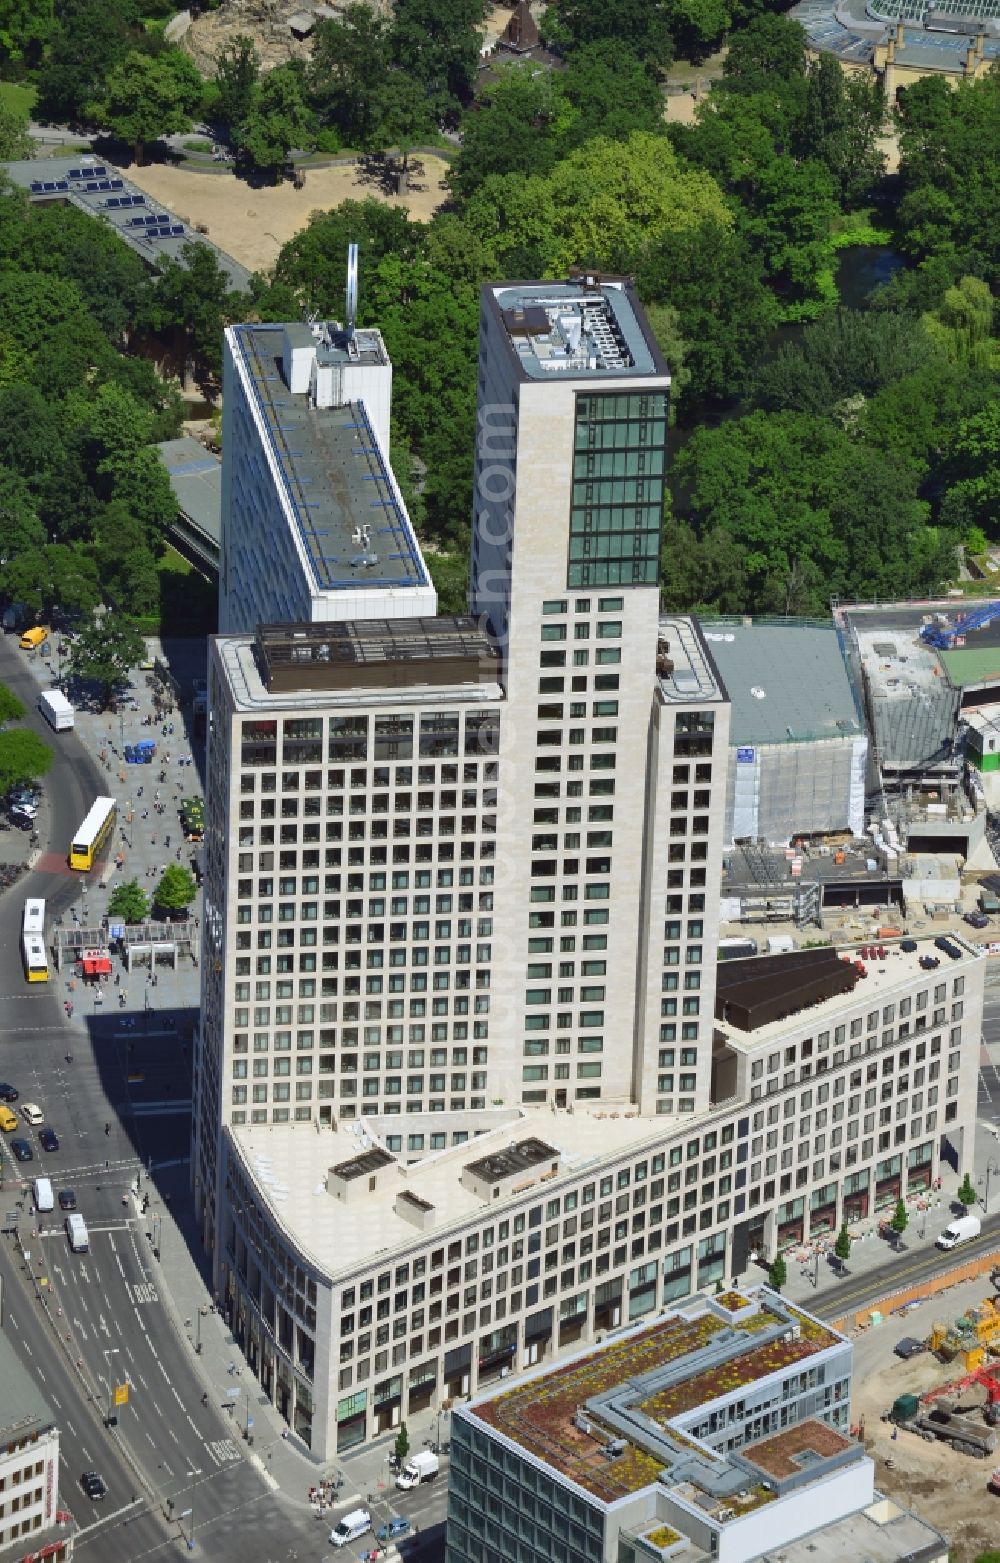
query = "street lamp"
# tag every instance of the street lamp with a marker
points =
(441, 1411)
(991, 1170)
(112, 1351)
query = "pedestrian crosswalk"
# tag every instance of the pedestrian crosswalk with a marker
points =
(144, 1292)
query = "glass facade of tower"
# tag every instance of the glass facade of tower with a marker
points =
(619, 466)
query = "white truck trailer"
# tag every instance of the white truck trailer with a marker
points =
(56, 709)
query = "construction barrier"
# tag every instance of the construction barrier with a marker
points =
(891, 1302)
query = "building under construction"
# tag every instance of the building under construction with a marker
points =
(911, 704)
(798, 748)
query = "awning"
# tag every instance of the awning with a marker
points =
(94, 964)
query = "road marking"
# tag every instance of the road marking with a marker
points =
(143, 1291)
(12, 1318)
(71, 1427)
(223, 1451)
(115, 1514)
(27, 1348)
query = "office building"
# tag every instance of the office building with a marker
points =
(313, 524)
(462, 884)
(32, 1525)
(719, 1432)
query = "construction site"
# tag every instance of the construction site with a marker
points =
(931, 1416)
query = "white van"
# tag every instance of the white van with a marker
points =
(76, 1231)
(43, 1194)
(351, 1527)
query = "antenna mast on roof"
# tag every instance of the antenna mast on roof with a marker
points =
(352, 290)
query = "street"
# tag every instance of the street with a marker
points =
(116, 1089)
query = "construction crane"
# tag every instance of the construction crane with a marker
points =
(942, 635)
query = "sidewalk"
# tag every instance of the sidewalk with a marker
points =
(870, 1252)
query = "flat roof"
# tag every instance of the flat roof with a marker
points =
(351, 522)
(290, 1163)
(899, 966)
(578, 329)
(881, 1533)
(972, 664)
(787, 682)
(685, 667)
(471, 680)
(23, 1408)
(614, 1418)
(101, 190)
(196, 478)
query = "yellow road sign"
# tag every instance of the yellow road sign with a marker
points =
(121, 1394)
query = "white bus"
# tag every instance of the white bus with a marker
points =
(33, 953)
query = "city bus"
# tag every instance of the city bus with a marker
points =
(94, 834)
(36, 963)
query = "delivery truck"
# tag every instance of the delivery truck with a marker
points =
(421, 1467)
(56, 709)
(961, 1230)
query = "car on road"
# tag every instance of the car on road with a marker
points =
(8, 1120)
(48, 1139)
(31, 1113)
(22, 1150)
(93, 1485)
(7, 1092)
(909, 1347)
(393, 1530)
(67, 1199)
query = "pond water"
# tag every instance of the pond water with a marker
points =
(862, 268)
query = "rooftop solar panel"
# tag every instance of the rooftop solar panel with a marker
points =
(99, 171)
(177, 228)
(75, 173)
(92, 184)
(117, 184)
(112, 200)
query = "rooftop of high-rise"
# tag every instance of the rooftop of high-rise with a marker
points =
(589, 326)
(303, 384)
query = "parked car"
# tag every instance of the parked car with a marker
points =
(67, 1199)
(7, 1092)
(976, 920)
(909, 1347)
(48, 1139)
(31, 1113)
(22, 1150)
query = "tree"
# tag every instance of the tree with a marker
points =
(966, 1192)
(277, 120)
(90, 38)
(510, 132)
(57, 577)
(14, 138)
(148, 96)
(402, 1446)
(128, 903)
(437, 42)
(106, 651)
(771, 46)
(11, 709)
(405, 117)
(237, 72)
(20, 527)
(842, 1247)
(194, 299)
(777, 1275)
(900, 1221)
(641, 26)
(350, 61)
(23, 757)
(176, 890)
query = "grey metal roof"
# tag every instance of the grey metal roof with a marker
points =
(337, 480)
(196, 479)
(22, 1407)
(787, 682)
(101, 190)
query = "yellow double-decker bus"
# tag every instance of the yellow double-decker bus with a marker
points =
(33, 953)
(94, 834)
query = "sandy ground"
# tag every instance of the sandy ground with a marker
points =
(947, 1489)
(253, 224)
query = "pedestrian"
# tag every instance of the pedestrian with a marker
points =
(107, 1130)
